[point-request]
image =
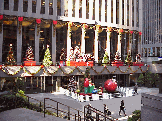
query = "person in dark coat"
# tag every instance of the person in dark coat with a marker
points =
(122, 107)
(135, 88)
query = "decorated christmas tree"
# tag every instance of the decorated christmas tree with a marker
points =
(118, 56)
(47, 57)
(72, 84)
(10, 59)
(29, 54)
(129, 59)
(105, 59)
(87, 74)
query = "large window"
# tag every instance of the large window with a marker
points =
(6, 4)
(132, 13)
(59, 7)
(66, 8)
(127, 12)
(100, 5)
(89, 41)
(105, 10)
(87, 9)
(16, 2)
(93, 10)
(50, 7)
(73, 8)
(42, 7)
(9, 37)
(122, 12)
(80, 9)
(137, 13)
(145, 52)
(111, 11)
(117, 11)
(158, 51)
(25, 5)
(34, 3)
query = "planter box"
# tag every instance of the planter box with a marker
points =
(117, 63)
(29, 63)
(138, 63)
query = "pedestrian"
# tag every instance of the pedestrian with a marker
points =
(106, 110)
(122, 107)
(135, 88)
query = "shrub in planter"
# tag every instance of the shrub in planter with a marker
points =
(136, 116)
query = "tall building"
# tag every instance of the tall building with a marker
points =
(151, 29)
(92, 25)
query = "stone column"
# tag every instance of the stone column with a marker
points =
(44, 84)
(109, 11)
(130, 42)
(103, 11)
(108, 41)
(41, 83)
(120, 12)
(96, 44)
(70, 8)
(76, 8)
(119, 42)
(58, 83)
(37, 36)
(114, 11)
(83, 39)
(68, 40)
(52, 83)
(97, 10)
(31, 82)
(19, 42)
(125, 12)
(90, 9)
(62, 7)
(84, 9)
(53, 45)
(37, 81)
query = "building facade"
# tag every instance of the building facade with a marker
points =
(151, 29)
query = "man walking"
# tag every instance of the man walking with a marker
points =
(122, 107)
(135, 88)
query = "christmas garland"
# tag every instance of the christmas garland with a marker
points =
(10, 70)
(13, 70)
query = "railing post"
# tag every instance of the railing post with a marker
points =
(28, 102)
(97, 116)
(78, 115)
(40, 106)
(105, 111)
(75, 117)
(44, 107)
(68, 113)
(57, 109)
(84, 113)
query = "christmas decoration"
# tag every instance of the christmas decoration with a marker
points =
(129, 59)
(105, 59)
(86, 82)
(38, 25)
(76, 53)
(10, 59)
(117, 56)
(1, 17)
(87, 73)
(131, 32)
(20, 18)
(54, 22)
(72, 84)
(140, 33)
(29, 54)
(38, 21)
(47, 58)
(11, 70)
(138, 58)
(110, 85)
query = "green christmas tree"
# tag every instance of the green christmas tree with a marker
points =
(105, 59)
(129, 59)
(140, 79)
(87, 74)
(10, 58)
(29, 54)
(148, 78)
(47, 58)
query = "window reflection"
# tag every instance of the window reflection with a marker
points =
(16, 5)
(42, 7)
(50, 7)
(34, 3)
(6, 4)
(59, 7)
(25, 5)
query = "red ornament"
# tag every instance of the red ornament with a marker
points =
(140, 33)
(148, 65)
(1, 17)
(131, 32)
(75, 66)
(42, 66)
(121, 30)
(105, 66)
(0, 66)
(110, 85)
(21, 66)
(20, 18)
(129, 66)
(86, 26)
(38, 21)
(59, 66)
(86, 82)
(54, 22)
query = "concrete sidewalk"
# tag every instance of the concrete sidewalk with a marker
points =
(22, 114)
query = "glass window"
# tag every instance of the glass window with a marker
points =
(16, 2)
(153, 51)
(73, 9)
(50, 7)
(105, 10)
(111, 11)
(25, 5)
(127, 12)
(137, 13)
(158, 51)
(59, 7)
(122, 12)
(100, 5)
(132, 13)
(42, 7)
(117, 11)
(145, 52)
(93, 10)
(149, 52)
(80, 9)
(6, 4)
(66, 8)
(34, 3)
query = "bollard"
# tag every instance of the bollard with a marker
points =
(68, 113)
(75, 117)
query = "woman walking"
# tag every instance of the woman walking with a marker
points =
(122, 107)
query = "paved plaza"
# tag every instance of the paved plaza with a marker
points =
(131, 103)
